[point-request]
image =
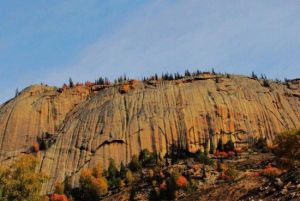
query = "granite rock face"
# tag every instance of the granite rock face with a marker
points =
(36, 110)
(94, 124)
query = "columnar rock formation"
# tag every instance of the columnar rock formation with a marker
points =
(94, 124)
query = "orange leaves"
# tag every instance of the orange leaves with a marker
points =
(78, 84)
(89, 84)
(59, 188)
(252, 174)
(181, 182)
(58, 197)
(97, 171)
(100, 185)
(35, 147)
(20, 181)
(271, 171)
(268, 171)
(129, 177)
(86, 173)
(223, 176)
(124, 88)
(92, 180)
(221, 154)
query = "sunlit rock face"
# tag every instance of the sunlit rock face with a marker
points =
(94, 124)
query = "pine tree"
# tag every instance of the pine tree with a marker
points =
(134, 164)
(212, 145)
(99, 81)
(220, 146)
(187, 73)
(132, 194)
(213, 71)
(122, 170)
(229, 146)
(253, 75)
(17, 92)
(106, 81)
(204, 172)
(144, 156)
(112, 169)
(71, 83)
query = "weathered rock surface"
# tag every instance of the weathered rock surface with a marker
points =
(93, 126)
(36, 110)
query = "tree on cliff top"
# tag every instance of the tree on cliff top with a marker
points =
(71, 83)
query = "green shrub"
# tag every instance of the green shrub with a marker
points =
(229, 146)
(132, 196)
(266, 82)
(260, 145)
(168, 193)
(220, 146)
(112, 169)
(201, 157)
(287, 148)
(153, 195)
(231, 173)
(144, 156)
(134, 164)
(147, 158)
(254, 76)
(192, 186)
(122, 170)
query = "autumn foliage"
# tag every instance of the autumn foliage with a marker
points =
(35, 147)
(181, 182)
(222, 154)
(253, 174)
(223, 176)
(58, 197)
(59, 188)
(89, 84)
(97, 171)
(287, 149)
(124, 88)
(92, 184)
(129, 177)
(271, 171)
(20, 182)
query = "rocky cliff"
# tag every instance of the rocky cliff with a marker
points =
(93, 124)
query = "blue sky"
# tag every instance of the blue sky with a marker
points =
(50, 41)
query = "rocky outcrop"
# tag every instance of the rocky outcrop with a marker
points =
(36, 110)
(117, 121)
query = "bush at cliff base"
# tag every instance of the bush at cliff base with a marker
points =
(287, 149)
(92, 188)
(20, 182)
(58, 197)
(181, 182)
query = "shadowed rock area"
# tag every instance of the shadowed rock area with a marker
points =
(93, 124)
